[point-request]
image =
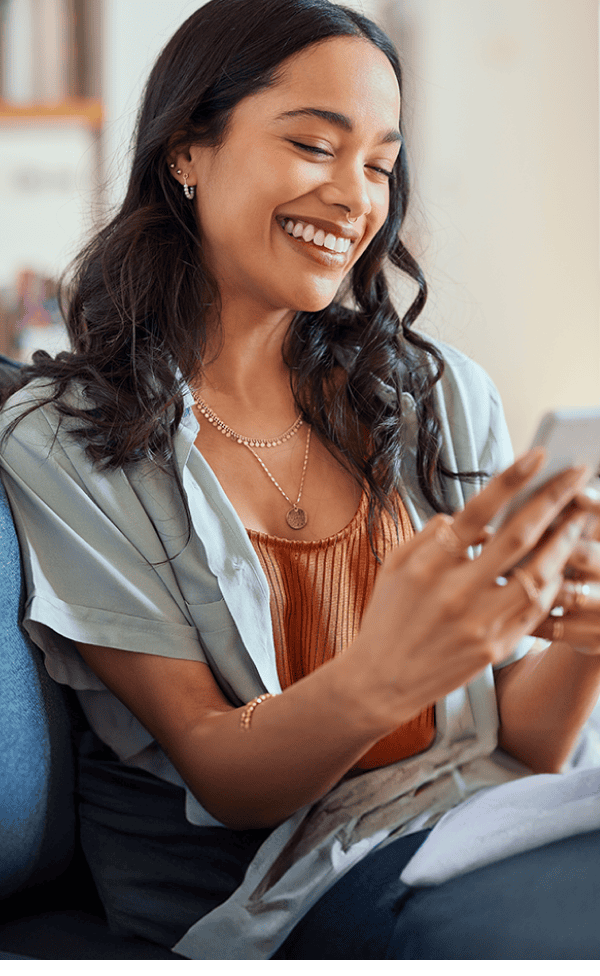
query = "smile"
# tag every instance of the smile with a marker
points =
(313, 235)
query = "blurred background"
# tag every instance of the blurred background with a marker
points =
(502, 119)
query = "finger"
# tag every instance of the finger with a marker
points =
(547, 562)
(584, 561)
(521, 600)
(530, 591)
(515, 539)
(588, 499)
(432, 549)
(575, 596)
(506, 613)
(581, 632)
(480, 510)
(532, 588)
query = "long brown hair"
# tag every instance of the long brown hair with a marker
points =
(135, 304)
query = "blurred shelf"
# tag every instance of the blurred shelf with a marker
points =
(74, 111)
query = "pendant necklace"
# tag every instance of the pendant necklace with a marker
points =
(296, 517)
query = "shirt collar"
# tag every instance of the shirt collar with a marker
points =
(188, 418)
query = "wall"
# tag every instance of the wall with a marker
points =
(134, 33)
(504, 107)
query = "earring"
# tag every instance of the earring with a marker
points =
(188, 190)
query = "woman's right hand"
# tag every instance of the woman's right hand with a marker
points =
(437, 618)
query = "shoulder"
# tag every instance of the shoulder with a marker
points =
(38, 446)
(466, 394)
(31, 424)
(25, 418)
(470, 412)
(33, 394)
(465, 378)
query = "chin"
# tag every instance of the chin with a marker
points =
(316, 306)
(313, 301)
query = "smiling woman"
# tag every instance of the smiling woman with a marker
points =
(249, 506)
(325, 167)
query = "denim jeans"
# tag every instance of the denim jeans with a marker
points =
(157, 874)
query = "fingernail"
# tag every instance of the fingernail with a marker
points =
(591, 493)
(528, 462)
(570, 476)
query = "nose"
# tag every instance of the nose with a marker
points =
(348, 189)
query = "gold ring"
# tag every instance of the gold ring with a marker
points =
(581, 592)
(558, 629)
(528, 584)
(447, 538)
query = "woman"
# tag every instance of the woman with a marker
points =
(219, 491)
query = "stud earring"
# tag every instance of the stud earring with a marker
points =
(188, 190)
(172, 166)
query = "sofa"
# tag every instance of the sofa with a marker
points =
(49, 907)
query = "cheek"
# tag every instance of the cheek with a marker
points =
(381, 206)
(286, 177)
(377, 219)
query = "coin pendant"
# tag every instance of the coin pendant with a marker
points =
(296, 518)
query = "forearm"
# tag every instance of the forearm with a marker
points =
(299, 745)
(544, 701)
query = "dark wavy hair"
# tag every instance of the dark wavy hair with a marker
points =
(135, 305)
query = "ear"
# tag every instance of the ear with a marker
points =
(179, 160)
(180, 167)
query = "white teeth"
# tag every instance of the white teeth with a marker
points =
(308, 233)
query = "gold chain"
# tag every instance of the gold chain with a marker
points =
(296, 518)
(212, 418)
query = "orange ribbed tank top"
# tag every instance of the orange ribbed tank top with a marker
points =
(319, 592)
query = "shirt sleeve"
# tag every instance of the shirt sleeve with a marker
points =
(95, 568)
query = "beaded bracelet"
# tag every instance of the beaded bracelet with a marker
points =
(246, 716)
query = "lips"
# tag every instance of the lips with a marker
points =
(315, 235)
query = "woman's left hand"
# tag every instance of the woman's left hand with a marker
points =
(579, 596)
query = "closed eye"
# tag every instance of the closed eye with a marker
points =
(316, 150)
(384, 172)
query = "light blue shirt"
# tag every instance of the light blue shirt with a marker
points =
(96, 544)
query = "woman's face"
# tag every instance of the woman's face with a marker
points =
(300, 186)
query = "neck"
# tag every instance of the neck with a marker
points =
(248, 358)
(245, 380)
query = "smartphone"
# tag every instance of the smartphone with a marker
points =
(570, 437)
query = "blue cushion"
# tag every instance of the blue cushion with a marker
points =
(37, 819)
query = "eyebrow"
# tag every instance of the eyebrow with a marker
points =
(338, 119)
